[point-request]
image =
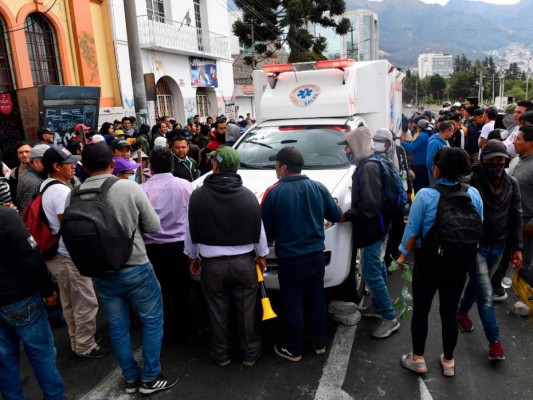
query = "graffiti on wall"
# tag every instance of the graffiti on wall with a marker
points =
(63, 119)
(190, 106)
(88, 54)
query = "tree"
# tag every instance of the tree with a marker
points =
(437, 85)
(274, 19)
(462, 85)
(513, 72)
(461, 63)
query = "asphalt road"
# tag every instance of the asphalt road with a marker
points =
(359, 368)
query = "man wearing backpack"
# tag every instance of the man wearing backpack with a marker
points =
(77, 293)
(502, 221)
(135, 282)
(370, 227)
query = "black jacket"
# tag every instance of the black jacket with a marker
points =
(369, 223)
(504, 222)
(181, 170)
(22, 267)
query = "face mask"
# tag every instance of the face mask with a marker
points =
(379, 147)
(131, 178)
(494, 171)
(351, 158)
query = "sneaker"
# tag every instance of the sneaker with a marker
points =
(415, 366)
(370, 312)
(386, 328)
(98, 338)
(159, 383)
(465, 323)
(283, 352)
(447, 370)
(320, 351)
(221, 363)
(97, 352)
(133, 386)
(500, 296)
(496, 351)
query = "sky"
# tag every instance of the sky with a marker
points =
(487, 1)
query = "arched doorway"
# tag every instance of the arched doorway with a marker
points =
(169, 99)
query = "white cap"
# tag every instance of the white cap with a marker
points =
(160, 142)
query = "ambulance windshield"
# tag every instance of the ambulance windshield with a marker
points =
(318, 144)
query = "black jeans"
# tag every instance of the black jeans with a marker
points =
(449, 280)
(171, 267)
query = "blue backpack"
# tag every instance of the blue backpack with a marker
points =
(394, 195)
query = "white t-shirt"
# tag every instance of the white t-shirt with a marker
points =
(489, 126)
(509, 142)
(54, 200)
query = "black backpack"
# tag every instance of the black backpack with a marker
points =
(455, 236)
(93, 236)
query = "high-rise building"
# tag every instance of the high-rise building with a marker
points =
(360, 43)
(435, 63)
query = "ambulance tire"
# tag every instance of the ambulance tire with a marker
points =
(353, 288)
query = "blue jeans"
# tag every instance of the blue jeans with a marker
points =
(26, 321)
(139, 286)
(375, 276)
(301, 279)
(479, 289)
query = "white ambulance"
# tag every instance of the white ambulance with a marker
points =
(310, 106)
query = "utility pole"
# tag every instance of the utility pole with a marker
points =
(252, 21)
(527, 78)
(481, 86)
(351, 40)
(416, 93)
(134, 50)
(493, 88)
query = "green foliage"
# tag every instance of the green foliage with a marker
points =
(403, 304)
(513, 72)
(278, 21)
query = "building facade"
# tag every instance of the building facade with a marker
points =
(435, 63)
(185, 45)
(362, 41)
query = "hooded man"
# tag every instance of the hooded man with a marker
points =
(370, 227)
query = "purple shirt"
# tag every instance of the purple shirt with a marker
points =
(170, 198)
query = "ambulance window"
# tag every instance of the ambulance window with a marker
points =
(318, 144)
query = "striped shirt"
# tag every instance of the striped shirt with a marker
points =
(5, 194)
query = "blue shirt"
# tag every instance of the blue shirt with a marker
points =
(435, 143)
(293, 212)
(418, 148)
(424, 212)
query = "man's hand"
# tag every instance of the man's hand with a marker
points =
(528, 231)
(195, 266)
(262, 263)
(51, 301)
(412, 175)
(516, 259)
(343, 217)
(10, 205)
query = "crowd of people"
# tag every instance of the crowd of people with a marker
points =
(145, 176)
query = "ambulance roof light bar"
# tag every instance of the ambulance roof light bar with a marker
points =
(324, 64)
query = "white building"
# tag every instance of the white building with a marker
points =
(435, 63)
(364, 36)
(185, 44)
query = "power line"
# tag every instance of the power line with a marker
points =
(24, 23)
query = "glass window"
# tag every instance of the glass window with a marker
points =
(318, 144)
(198, 23)
(6, 70)
(164, 100)
(42, 50)
(156, 10)
(202, 103)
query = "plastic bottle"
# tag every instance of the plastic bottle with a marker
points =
(507, 281)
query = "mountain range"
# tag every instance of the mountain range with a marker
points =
(410, 27)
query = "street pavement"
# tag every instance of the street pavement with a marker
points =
(356, 366)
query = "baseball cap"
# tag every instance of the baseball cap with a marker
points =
(493, 148)
(97, 138)
(190, 119)
(42, 131)
(59, 155)
(122, 164)
(119, 132)
(119, 144)
(160, 142)
(38, 151)
(227, 158)
(135, 154)
(290, 156)
(423, 124)
(85, 127)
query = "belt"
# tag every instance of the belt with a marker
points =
(228, 258)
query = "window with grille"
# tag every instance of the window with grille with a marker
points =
(6, 70)
(164, 100)
(198, 23)
(156, 10)
(42, 50)
(202, 104)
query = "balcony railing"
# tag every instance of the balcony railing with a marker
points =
(180, 38)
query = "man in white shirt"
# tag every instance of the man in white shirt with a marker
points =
(489, 117)
(522, 107)
(76, 292)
